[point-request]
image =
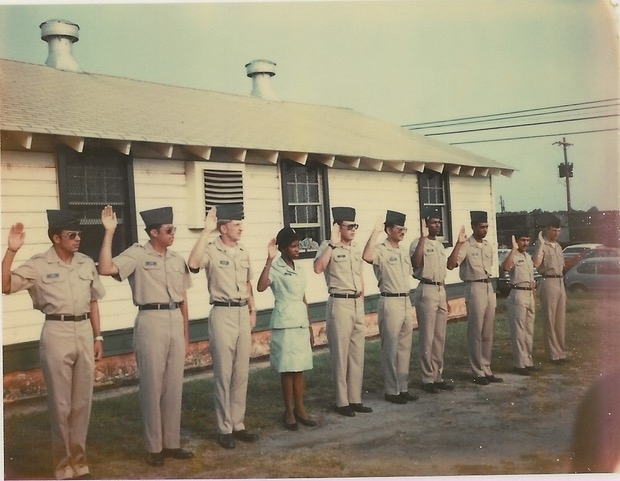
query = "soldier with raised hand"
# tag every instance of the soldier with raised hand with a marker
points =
(521, 303)
(340, 260)
(159, 279)
(474, 256)
(392, 267)
(65, 286)
(429, 260)
(549, 260)
(233, 316)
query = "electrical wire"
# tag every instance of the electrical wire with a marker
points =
(532, 136)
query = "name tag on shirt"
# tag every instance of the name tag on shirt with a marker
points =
(53, 275)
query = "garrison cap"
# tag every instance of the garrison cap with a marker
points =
(229, 212)
(343, 213)
(521, 231)
(431, 213)
(63, 219)
(161, 215)
(286, 237)
(478, 216)
(552, 221)
(394, 218)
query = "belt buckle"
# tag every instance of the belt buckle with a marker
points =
(171, 306)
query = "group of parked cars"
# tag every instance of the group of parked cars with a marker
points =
(587, 267)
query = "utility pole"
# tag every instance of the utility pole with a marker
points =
(566, 170)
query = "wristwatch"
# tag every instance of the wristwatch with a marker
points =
(99, 338)
(329, 244)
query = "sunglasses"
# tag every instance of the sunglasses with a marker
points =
(73, 235)
(170, 230)
(399, 228)
(350, 226)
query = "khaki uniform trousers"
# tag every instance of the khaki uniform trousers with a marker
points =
(230, 341)
(396, 330)
(432, 313)
(480, 302)
(346, 336)
(521, 310)
(159, 344)
(553, 303)
(68, 366)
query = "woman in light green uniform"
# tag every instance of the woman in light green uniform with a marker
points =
(291, 335)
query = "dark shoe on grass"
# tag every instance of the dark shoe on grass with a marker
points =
(245, 436)
(395, 398)
(177, 453)
(345, 411)
(444, 386)
(226, 441)
(155, 459)
(360, 408)
(408, 397)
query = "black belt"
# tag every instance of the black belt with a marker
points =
(522, 288)
(159, 307)
(481, 280)
(432, 283)
(67, 317)
(346, 296)
(230, 303)
(394, 294)
(553, 276)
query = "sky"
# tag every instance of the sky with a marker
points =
(404, 62)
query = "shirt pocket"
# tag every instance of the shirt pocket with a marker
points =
(177, 274)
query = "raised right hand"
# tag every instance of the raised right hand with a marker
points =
(211, 220)
(335, 236)
(423, 228)
(462, 236)
(16, 236)
(108, 218)
(272, 249)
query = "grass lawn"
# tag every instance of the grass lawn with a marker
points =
(115, 446)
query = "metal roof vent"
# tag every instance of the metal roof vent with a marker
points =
(60, 36)
(260, 71)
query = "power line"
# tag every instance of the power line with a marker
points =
(531, 136)
(515, 117)
(512, 112)
(530, 124)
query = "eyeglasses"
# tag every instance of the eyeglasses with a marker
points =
(170, 230)
(399, 228)
(73, 235)
(350, 226)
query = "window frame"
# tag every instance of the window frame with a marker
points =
(323, 211)
(91, 244)
(446, 238)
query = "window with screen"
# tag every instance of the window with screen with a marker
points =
(90, 180)
(304, 194)
(434, 192)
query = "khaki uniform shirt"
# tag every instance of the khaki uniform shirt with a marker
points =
(522, 272)
(435, 260)
(56, 287)
(392, 268)
(343, 274)
(475, 260)
(154, 278)
(552, 259)
(227, 273)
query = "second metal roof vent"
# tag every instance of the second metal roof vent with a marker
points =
(60, 36)
(260, 71)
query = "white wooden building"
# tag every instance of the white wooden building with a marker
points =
(76, 140)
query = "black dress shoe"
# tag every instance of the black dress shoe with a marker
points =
(482, 380)
(430, 387)
(523, 371)
(245, 436)
(395, 398)
(290, 426)
(345, 411)
(360, 408)
(533, 368)
(177, 453)
(408, 397)
(226, 441)
(444, 386)
(306, 421)
(155, 459)
(493, 378)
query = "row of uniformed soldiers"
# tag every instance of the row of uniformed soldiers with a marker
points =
(65, 286)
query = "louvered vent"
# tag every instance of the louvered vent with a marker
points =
(222, 187)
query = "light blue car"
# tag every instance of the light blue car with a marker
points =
(596, 273)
